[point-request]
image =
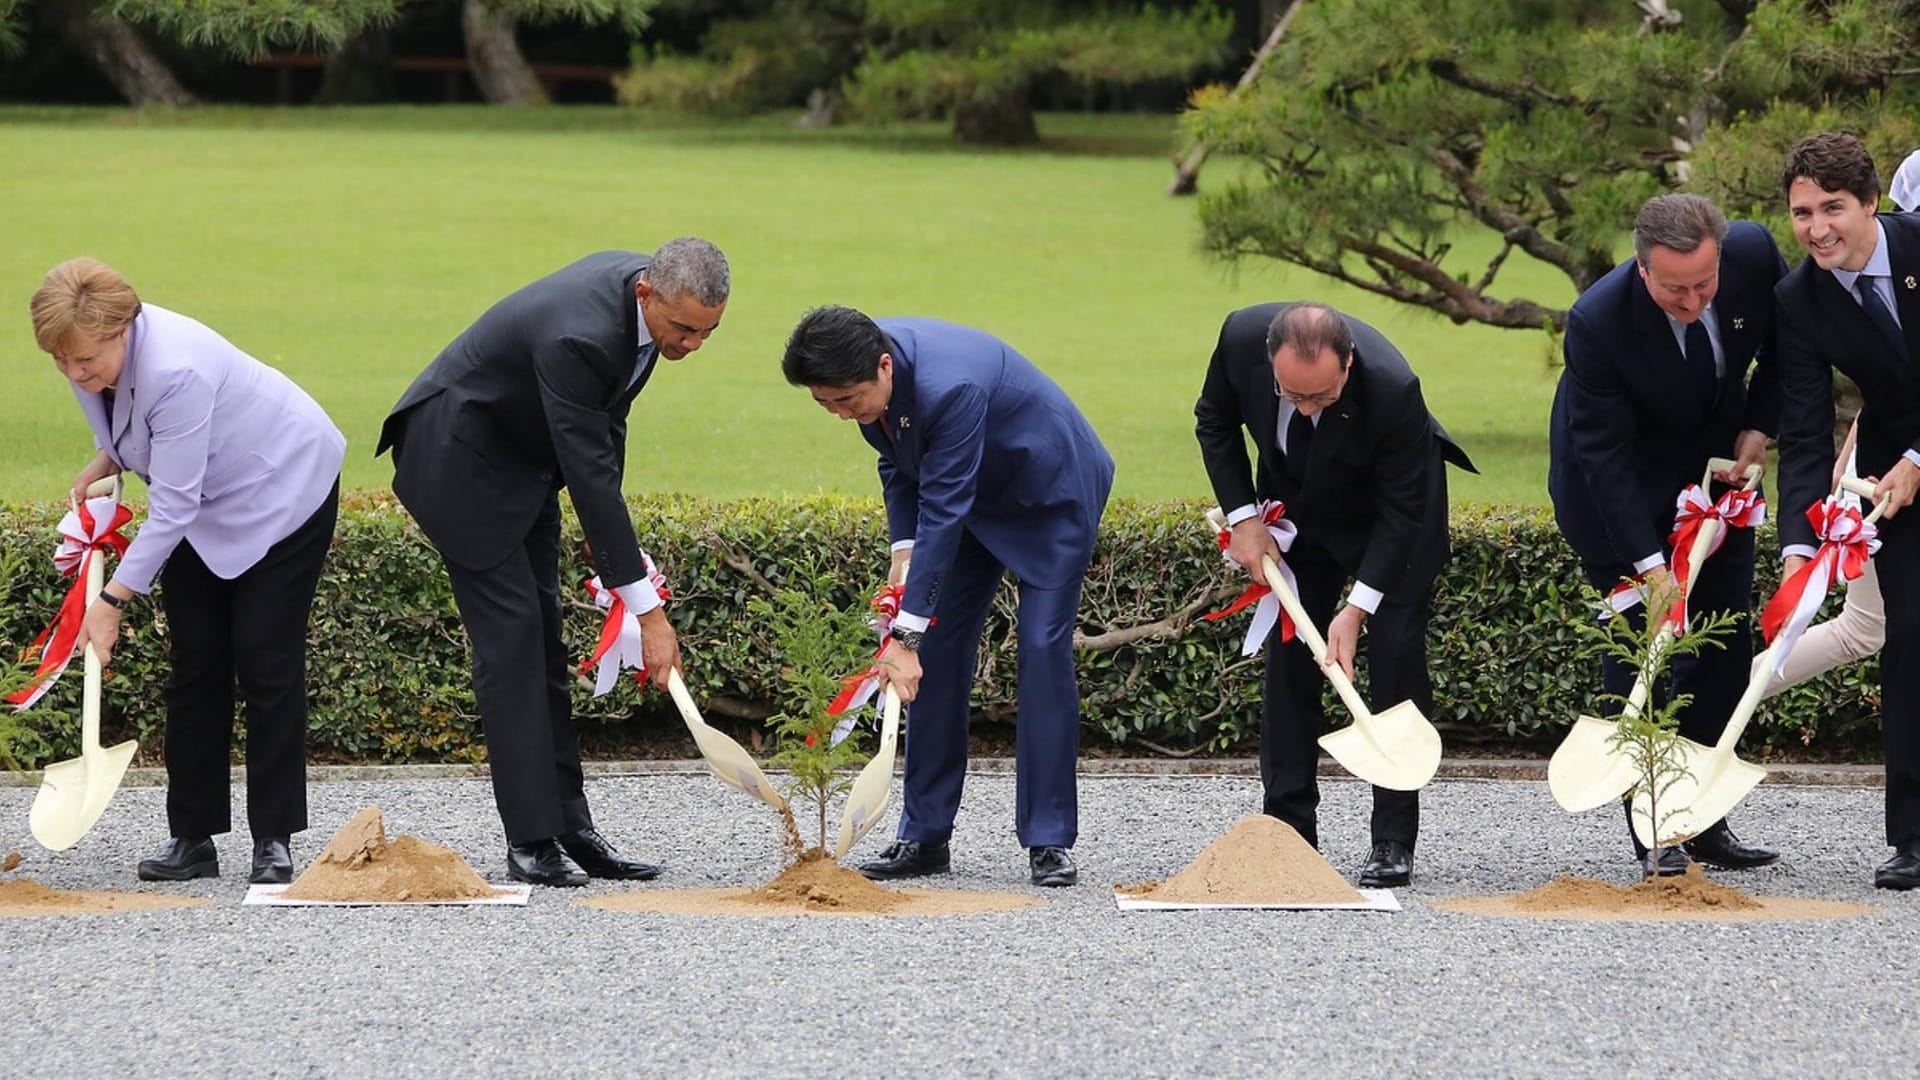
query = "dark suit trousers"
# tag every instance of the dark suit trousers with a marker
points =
(521, 683)
(1292, 716)
(253, 628)
(1047, 741)
(1899, 570)
(1716, 677)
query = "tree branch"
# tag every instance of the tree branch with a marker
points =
(1523, 97)
(1172, 626)
(744, 566)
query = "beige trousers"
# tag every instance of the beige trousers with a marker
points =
(1854, 634)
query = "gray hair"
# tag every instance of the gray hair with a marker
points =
(692, 267)
(1679, 222)
(1310, 328)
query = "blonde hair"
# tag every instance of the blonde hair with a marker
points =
(81, 296)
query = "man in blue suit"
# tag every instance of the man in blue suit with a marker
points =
(986, 466)
(1655, 383)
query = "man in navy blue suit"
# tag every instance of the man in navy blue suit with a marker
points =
(986, 467)
(1655, 383)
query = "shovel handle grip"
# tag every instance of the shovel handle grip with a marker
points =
(1720, 465)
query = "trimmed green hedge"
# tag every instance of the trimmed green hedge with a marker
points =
(390, 680)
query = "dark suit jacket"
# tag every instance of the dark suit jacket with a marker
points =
(532, 397)
(1822, 328)
(1629, 427)
(986, 444)
(1372, 495)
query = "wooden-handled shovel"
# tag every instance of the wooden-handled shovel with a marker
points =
(1588, 769)
(1398, 748)
(74, 793)
(1715, 779)
(867, 798)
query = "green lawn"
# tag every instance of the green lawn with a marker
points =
(347, 246)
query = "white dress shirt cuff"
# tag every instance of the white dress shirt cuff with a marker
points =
(1241, 513)
(639, 596)
(1651, 562)
(1913, 456)
(903, 545)
(1801, 550)
(1365, 597)
(907, 620)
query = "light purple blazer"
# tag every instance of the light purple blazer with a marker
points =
(235, 456)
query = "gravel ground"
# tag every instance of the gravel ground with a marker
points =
(1071, 987)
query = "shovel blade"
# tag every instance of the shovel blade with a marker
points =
(1396, 748)
(1692, 804)
(867, 799)
(1587, 770)
(74, 793)
(734, 766)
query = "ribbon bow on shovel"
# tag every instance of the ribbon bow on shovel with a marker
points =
(87, 532)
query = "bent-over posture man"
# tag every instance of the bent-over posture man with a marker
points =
(1655, 384)
(532, 398)
(1345, 441)
(986, 467)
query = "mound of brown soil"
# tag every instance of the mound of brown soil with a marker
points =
(28, 897)
(814, 885)
(1261, 860)
(361, 865)
(817, 882)
(1688, 897)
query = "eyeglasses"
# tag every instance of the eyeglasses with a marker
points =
(1318, 401)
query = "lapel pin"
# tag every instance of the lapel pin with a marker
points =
(906, 422)
(1911, 283)
(1739, 324)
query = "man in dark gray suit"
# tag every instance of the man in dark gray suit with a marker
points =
(532, 398)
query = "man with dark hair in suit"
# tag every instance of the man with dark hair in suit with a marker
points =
(1854, 304)
(1655, 383)
(532, 398)
(986, 467)
(1347, 444)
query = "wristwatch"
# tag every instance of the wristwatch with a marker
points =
(908, 638)
(113, 600)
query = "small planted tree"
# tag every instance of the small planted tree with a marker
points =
(1649, 734)
(14, 672)
(818, 642)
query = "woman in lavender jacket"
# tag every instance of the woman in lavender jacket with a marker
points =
(243, 482)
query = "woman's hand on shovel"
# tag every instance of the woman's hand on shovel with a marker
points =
(101, 629)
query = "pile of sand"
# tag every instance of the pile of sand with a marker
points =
(815, 884)
(1261, 860)
(1690, 897)
(27, 897)
(360, 865)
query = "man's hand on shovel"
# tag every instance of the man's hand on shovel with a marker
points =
(1749, 449)
(1343, 637)
(659, 647)
(901, 667)
(1898, 487)
(1249, 543)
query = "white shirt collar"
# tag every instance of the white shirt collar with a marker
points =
(646, 336)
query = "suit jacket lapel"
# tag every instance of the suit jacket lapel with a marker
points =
(1906, 291)
(1833, 297)
(124, 389)
(1333, 425)
(902, 410)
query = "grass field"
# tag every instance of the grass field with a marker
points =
(347, 246)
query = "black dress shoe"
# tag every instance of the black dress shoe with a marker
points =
(544, 862)
(598, 859)
(181, 858)
(1719, 848)
(1390, 866)
(908, 858)
(272, 862)
(1052, 867)
(1672, 862)
(1902, 871)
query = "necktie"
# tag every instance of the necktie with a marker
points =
(1299, 445)
(642, 362)
(1700, 358)
(1876, 310)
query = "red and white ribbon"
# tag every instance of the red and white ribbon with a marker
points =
(858, 689)
(1737, 508)
(1847, 541)
(1625, 597)
(86, 531)
(1267, 611)
(619, 646)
